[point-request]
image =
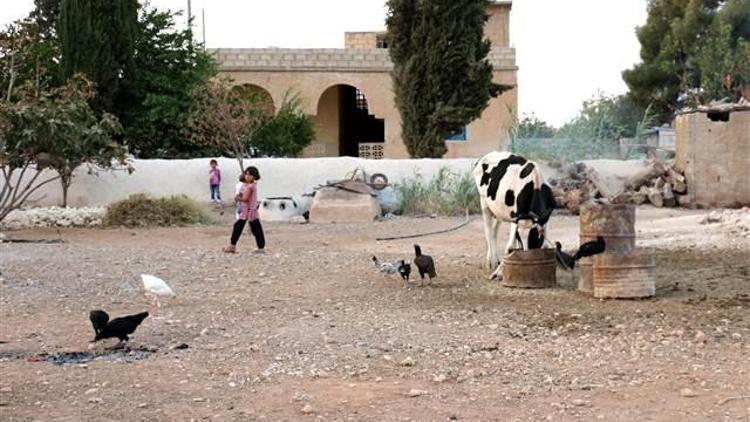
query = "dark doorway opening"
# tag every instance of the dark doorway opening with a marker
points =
(356, 124)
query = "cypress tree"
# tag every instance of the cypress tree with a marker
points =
(442, 79)
(97, 39)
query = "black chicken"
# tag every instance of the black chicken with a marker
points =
(121, 327)
(99, 320)
(424, 264)
(592, 248)
(566, 261)
(405, 270)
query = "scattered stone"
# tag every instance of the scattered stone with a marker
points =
(408, 361)
(179, 346)
(687, 392)
(416, 393)
(307, 409)
(5, 390)
(91, 391)
(95, 400)
(580, 403)
(199, 399)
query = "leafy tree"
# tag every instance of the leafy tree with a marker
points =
(288, 132)
(45, 14)
(441, 77)
(97, 38)
(77, 134)
(26, 56)
(227, 118)
(168, 70)
(675, 34)
(54, 130)
(531, 126)
(603, 117)
(724, 61)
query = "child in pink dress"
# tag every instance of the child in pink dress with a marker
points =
(214, 181)
(248, 200)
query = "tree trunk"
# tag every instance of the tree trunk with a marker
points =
(12, 78)
(66, 179)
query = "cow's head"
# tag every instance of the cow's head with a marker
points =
(532, 225)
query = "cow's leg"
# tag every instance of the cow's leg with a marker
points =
(512, 238)
(490, 234)
(498, 273)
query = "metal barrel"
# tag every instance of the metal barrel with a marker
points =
(614, 222)
(532, 269)
(624, 275)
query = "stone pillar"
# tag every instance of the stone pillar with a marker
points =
(497, 28)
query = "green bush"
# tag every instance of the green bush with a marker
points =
(447, 193)
(288, 132)
(143, 211)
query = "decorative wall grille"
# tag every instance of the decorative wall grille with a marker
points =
(371, 150)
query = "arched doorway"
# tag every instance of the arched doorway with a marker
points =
(260, 96)
(344, 121)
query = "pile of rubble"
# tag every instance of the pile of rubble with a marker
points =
(659, 184)
(736, 221)
(54, 217)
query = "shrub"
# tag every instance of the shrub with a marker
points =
(447, 193)
(143, 211)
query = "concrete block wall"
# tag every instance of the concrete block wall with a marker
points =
(328, 59)
(360, 40)
(715, 157)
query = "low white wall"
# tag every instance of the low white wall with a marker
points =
(279, 177)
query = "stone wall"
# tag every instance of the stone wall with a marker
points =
(497, 28)
(485, 134)
(328, 59)
(715, 157)
(362, 40)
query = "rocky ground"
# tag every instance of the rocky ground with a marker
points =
(311, 331)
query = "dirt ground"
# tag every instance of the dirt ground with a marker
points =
(311, 331)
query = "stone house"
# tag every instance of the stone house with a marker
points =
(348, 92)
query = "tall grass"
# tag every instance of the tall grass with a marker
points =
(140, 210)
(447, 193)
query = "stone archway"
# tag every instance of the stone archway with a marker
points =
(344, 123)
(259, 94)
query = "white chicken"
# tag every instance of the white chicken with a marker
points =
(156, 287)
(386, 267)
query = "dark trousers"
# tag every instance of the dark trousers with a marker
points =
(215, 192)
(255, 228)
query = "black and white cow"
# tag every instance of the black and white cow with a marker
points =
(512, 189)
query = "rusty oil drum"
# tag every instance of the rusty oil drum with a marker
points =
(531, 269)
(626, 275)
(614, 222)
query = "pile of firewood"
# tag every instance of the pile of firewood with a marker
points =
(659, 184)
(573, 188)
